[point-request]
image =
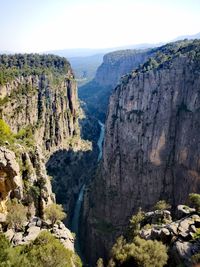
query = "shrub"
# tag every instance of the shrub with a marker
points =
(140, 253)
(4, 245)
(197, 234)
(17, 215)
(195, 260)
(54, 213)
(194, 200)
(5, 133)
(162, 205)
(45, 250)
(100, 262)
(135, 223)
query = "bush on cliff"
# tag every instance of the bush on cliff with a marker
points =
(17, 215)
(45, 250)
(162, 205)
(54, 213)
(4, 245)
(139, 253)
(194, 200)
(135, 224)
(5, 133)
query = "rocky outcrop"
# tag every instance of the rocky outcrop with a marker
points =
(34, 227)
(180, 236)
(21, 176)
(10, 179)
(152, 143)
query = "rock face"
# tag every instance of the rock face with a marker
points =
(151, 146)
(46, 103)
(38, 116)
(20, 182)
(10, 180)
(118, 63)
(115, 64)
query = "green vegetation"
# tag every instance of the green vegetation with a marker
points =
(139, 253)
(162, 205)
(17, 215)
(5, 133)
(195, 260)
(4, 246)
(135, 224)
(197, 234)
(45, 250)
(100, 262)
(12, 66)
(194, 200)
(54, 213)
(24, 136)
(162, 56)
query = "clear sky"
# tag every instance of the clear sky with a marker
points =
(43, 25)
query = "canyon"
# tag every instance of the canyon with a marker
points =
(54, 147)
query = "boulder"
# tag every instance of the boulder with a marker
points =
(18, 239)
(33, 232)
(183, 210)
(9, 234)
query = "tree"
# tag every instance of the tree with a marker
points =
(135, 223)
(194, 200)
(44, 251)
(140, 253)
(162, 205)
(17, 215)
(54, 213)
(100, 262)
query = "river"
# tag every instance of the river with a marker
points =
(77, 209)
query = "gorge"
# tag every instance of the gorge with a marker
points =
(103, 174)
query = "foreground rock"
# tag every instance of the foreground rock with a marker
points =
(33, 228)
(179, 236)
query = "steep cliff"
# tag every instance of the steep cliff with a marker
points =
(115, 64)
(39, 114)
(152, 142)
(39, 93)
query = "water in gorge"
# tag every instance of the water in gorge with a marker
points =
(77, 209)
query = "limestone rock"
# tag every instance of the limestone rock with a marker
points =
(183, 210)
(10, 178)
(32, 233)
(151, 145)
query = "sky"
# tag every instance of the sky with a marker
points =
(44, 25)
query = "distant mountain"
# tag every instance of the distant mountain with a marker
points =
(85, 67)
(86, 61)
(86, 52)
(189, 37)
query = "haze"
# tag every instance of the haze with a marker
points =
(43, 25)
